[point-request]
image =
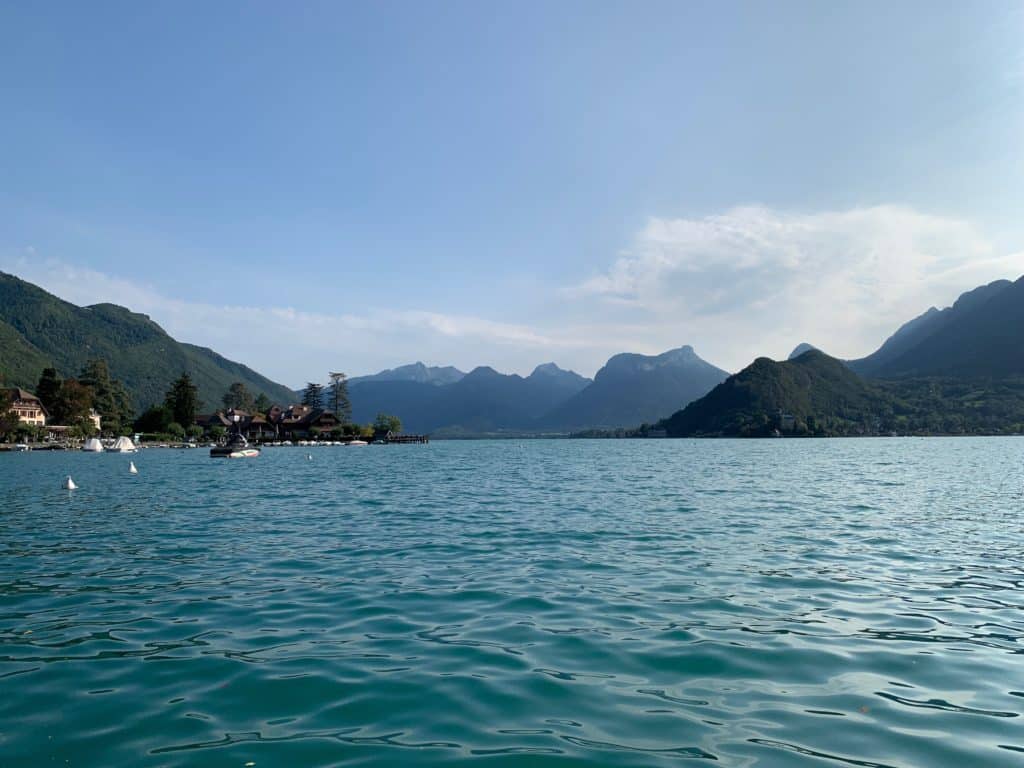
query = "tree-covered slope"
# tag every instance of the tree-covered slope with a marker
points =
(820, 392)
(20, 361)
(139, 352)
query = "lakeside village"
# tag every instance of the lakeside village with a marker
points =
(67, 414)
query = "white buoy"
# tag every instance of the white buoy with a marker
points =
(69, 484)
(132, 468)
(309, 457)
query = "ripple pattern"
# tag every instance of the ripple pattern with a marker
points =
(534, 603)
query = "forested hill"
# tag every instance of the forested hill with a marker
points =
(38, 329)
(821, 394)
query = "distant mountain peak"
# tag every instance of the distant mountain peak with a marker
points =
(548, 368)
(418, 371)
(800, 348)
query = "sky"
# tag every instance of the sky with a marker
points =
(313, 187)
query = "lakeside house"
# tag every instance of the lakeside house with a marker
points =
(27, 407)
(32, 413)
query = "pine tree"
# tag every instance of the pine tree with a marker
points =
(313, 395)
(239, 398)
(262, 403)
(183, 400)
(339, 399)
(48, 388)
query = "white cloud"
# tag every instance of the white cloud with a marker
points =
(756, 281)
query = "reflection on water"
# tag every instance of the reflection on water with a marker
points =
(522, 603)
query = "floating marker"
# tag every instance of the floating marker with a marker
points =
(309, 457)
(132, 469)
(69, 484)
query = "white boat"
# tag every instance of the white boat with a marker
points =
(123, 445)
(92, 445)
(236, 448)
(22, 447)
(357, 442)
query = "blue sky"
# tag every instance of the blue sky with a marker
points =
(358, 186)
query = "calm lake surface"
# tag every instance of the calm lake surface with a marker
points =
(535, 603)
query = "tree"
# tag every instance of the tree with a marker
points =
(387, 423)
(262, 403)
(155, 419)
(183, 400)
(239, 398)
(313, 395)
(218, 432)
(110, 398)
(175, 429)
(72, 406)
(48, 388)
(194, 431)
(338, 397)
(8, 418)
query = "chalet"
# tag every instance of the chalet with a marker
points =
(254, 426)
(298, 421)
(315, 420)
(27, 407)
(295, 421)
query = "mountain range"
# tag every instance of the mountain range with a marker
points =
(628, 390)
(981, 335)
(961, 367)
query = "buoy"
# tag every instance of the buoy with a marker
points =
(132, 469)
(69, 484)
(309, 457)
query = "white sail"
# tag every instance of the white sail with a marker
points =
(92, 445)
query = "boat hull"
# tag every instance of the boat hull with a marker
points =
(232, 453)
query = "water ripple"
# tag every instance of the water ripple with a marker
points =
(620, 603)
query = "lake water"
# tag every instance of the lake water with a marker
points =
(544, 603)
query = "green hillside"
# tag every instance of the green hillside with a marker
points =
(20, 362)
(37, 329)
(821, 393)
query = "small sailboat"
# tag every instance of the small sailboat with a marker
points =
(93, 445)
(236, 448)
(124, 445)
(132, 469)
(69, 484)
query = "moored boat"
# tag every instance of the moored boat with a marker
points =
(93, 445)
(237, 448)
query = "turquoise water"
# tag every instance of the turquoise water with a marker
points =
(545, 603)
